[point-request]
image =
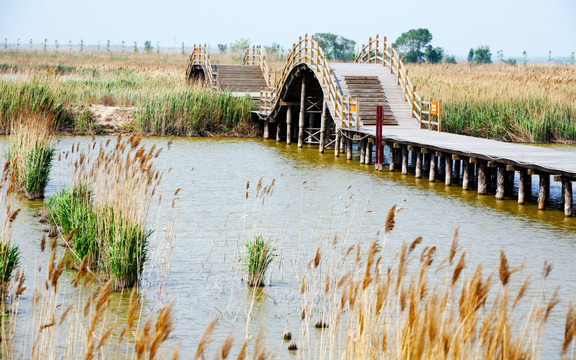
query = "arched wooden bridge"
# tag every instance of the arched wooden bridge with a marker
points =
(335, 104)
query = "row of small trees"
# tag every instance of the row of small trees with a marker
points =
(148, 48)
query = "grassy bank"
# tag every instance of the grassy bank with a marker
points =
(532, 103)
(152, 87)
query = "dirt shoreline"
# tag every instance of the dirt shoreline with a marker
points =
(114, 119)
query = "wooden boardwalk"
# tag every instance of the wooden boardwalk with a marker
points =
(314, 101)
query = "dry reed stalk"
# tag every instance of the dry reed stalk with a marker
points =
(31, 151)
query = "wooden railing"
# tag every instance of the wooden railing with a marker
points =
(388, 56)
(255, 56)
(201, 57)
(308, 51)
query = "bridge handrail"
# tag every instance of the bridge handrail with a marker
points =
(255, 56)
(308, 51)
(370, 53)
(201, 57)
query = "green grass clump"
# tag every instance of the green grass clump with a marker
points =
(257, 260)
(9, 260)
(31, 153)
(29, 97)
(72, 210)
(126, 249)
(105, 218)
(534, 120)
(192, 111)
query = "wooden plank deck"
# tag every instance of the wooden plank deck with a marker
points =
(538, 158)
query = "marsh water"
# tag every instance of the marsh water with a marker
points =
(310, 199)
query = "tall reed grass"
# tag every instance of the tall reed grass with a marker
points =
(34, 99)
(257, 259)
(193, 112)
(103, 216)
(31, 152)
(533, 103)
(165, 104)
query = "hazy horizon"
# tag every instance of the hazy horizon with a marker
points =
(511, 26)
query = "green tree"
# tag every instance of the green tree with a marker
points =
(30, 43)
(183, 49)
(482, 55)
(123, 45)
(81, 45)
(549, 55)
(471, 55)
(157, 47)
(274, 49)
(434, 54)
(70, 45)
(572, 58)
(5, 44)
(108, 46)
(18, 45)
(135, 47)
(412, 44)
(525, 54)
(336, 47)
(56, 46)
(222, 48)
(450, 59)
(239, 45)
(147, 46)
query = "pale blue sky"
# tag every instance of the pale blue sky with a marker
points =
(512, 26)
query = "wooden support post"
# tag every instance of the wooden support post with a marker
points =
(266, 129)
(342, 142)
(404, 160)
(278, 131)
(448, 174)
(523, 186)
(337, 143)
(567, 185)
(482, 178)
(500, 189)
(392, 165)
(362, 148)
(467, 174)
(432, 173)
(323, 127)
(302, 117)
(368, 153)
(418, 169)
(493, 176)
(425, 160)
(289, 125)
(349, 146)
(544, 191)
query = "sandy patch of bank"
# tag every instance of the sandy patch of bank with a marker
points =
(112, 117)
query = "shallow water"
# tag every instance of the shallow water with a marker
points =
(314, 197)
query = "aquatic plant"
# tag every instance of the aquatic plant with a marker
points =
(194, 111)
(533, 103)
(103, 215)
(30, 154)
(257, 260)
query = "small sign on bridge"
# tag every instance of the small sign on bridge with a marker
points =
(434, 108)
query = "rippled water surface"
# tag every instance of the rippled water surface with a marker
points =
(313, 198)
